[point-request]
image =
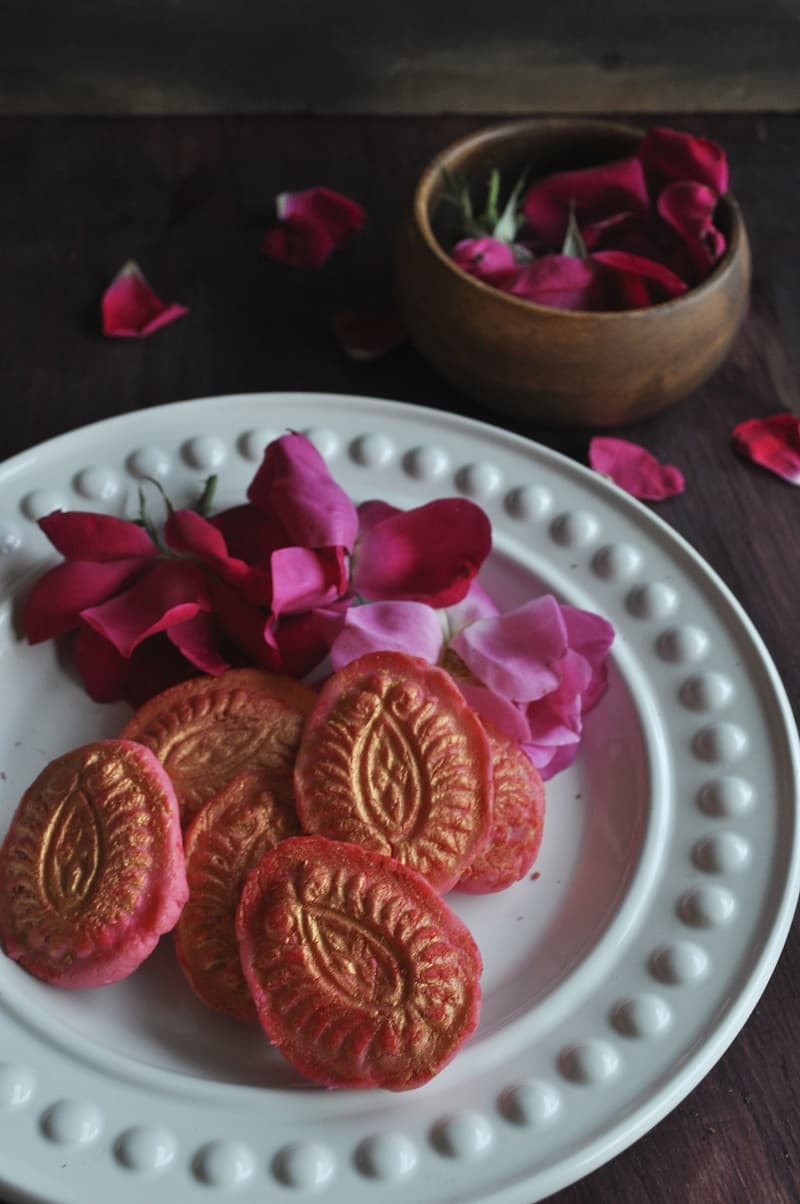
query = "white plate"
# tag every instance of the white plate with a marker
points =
(614, 979)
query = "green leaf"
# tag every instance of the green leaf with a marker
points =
(507, 226)
(574, 246)
(491, 217)
(203, 504)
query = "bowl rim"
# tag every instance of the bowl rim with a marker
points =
(487, 134)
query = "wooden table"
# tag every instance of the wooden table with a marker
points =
(189, 199)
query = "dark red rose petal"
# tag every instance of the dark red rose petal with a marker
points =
(366, 335)
(360, 973)
(594, 192)
(668, 155)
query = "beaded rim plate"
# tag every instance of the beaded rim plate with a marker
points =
(615, 975)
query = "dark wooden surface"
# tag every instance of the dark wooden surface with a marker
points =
(189, 200)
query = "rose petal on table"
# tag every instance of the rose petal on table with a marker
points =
(410, 627)
(130, 309)
(293, 484)
(517, 654)
(634, 469)
(488, 259)
(58, 598)
(311, 225)
(562, 282)
(595, 192)
(773, 443)
(429, 554)
(84, 535)
(303, 578)
(365, 335)
(170, 592)
(668, 154)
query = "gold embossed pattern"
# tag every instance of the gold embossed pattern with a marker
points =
(92, 854)
(227, 837)
(393, 760)
(361, 974)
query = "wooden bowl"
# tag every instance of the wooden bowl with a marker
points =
(533, 361)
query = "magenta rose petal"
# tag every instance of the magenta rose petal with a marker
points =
(595, 192)
(488, 259)
(245, 625)
(591, 636)
(303, 578)
(196, 639)
(56, 601)
(250, 533)
(365, 335)
(562, 282)
(634, 469)
(130, 309)
(311, 225)
(84, 535)
(517, 654)
(410, 627)
(374, 511)
(640, 270)
(170, 592)
(773, 443)
(102, 669)
(428, 554)
(668, 155)
(293, 484)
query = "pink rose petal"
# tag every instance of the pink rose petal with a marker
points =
(131, 310)
(170, 592)
(773, 443)
(488, 259)
(196, 639)
(374, 511)
(293, 484)
(595, 192)
(498, 710)
(303, 579)
(517, 654)
(56, 601)
(311, 225)
(562, 282)
(634, 469)
(410, 627)
(192, 535)
(84, 535)
(476, 604)
(591, 636)
(366, 335)
(429, 554)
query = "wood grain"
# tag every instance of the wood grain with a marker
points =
(190, 199)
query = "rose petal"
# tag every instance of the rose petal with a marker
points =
(130, 309)
(634, 469)
(636, 269)
(56, 601)
(84, 535)
(374, 511)
(250, 533)
(555, 719)
(170, 592)
(668, 155)
(689, 208)
(102, 669)
(498, 710)
(591, 636)
(303, 579)
(408, 627)
(550, 761)
(294, 485)
(246, 626)
(517, 654)
(488, 259)
(108, 677)
(476, 604)
(428, 554)
(312, 224)
(189, 533)
(773, 443)
(561, 281)
(595, 192)
(300, 643)
(196, 639)
(364, 335)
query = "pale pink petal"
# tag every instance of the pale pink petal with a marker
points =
(293, 484)
(408, 627)
(517, 654)
(303, 579)
(130, 309)
(498, 710)
(56, 601)
(591, 636)
(772, 442)
(555, 719)
(169, 592)
(476, 604)
(429, 554)
(84, 535)
(634, 469)
(550, 761)
(366, 335)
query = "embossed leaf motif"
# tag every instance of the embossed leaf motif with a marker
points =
(391, 776)
(353, 959)
(225, 748)
(71, 852)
